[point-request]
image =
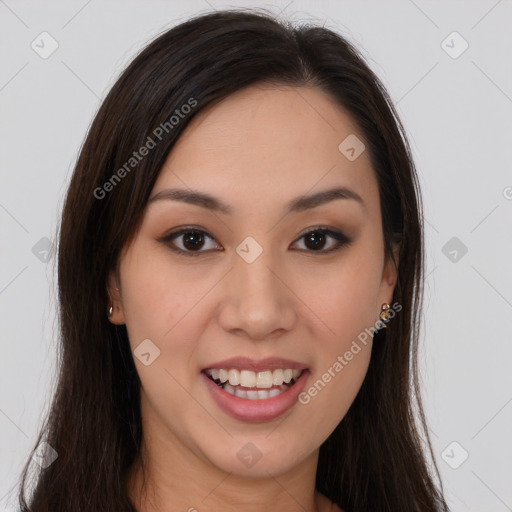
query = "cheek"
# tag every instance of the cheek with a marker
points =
(155, 303)
(343, 359)
(346, 301)
(155, 297)
(330, 393)
(160, 305)
(347, 306)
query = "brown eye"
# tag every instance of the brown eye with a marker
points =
(188, 241)
(191, 241)
(315, 240)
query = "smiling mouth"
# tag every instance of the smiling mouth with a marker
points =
(254, 385)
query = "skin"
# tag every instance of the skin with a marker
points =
(256, 150)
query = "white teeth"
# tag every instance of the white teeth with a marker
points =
(296, 374)
(264, 379)
(240, 393)
(252, 394)
(277, 377)
(234, 377)
(230, 389)
(249, 379)
(263, 394)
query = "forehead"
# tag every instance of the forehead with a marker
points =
(282, 141)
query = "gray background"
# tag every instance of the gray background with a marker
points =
(457, 112)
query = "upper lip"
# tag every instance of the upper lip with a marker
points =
(246, 363)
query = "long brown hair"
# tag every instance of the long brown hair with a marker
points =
(375, 459)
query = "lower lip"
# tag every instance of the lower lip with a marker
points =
(254, 411)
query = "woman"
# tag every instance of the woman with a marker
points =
(240, 279)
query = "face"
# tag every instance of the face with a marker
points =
(255, 280)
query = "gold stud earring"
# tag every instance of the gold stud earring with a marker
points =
(384, 314)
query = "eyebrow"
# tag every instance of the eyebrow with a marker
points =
(299, 204)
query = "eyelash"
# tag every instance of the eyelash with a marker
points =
(340, 238)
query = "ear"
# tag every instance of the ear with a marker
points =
(389, 276)
(114, 294)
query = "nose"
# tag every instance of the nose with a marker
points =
(258, 302)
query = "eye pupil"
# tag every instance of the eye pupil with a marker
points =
(190, 240)
(313, 237)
